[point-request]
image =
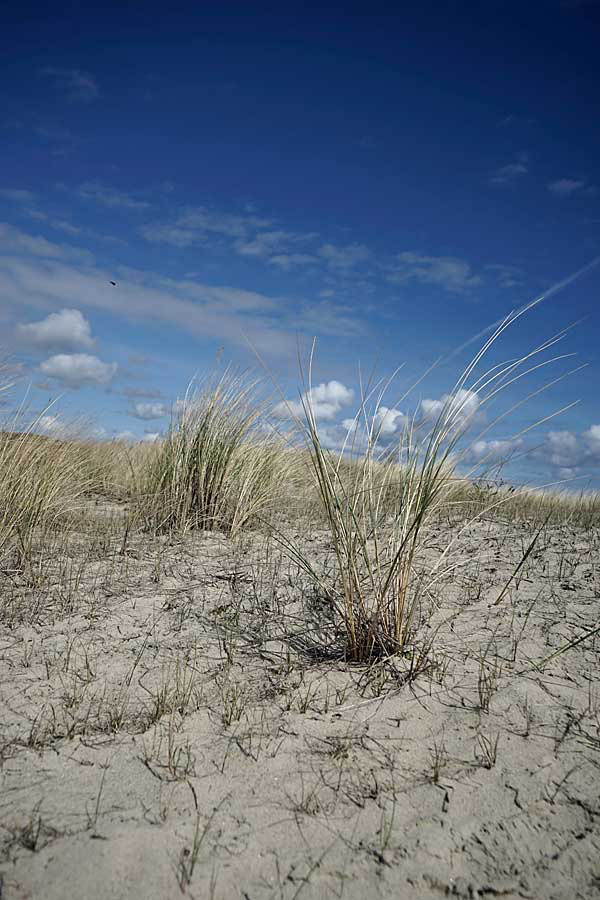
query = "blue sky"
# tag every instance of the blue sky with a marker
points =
(390, 183)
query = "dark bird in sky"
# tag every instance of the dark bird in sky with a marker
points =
(114, 283)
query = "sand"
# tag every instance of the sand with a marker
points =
(180, 722)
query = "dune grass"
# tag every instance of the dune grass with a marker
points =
(40, 480)
(376, 517)
(214, 469)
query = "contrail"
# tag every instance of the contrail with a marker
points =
(519, 311)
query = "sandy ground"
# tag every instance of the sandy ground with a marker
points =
(176, 720)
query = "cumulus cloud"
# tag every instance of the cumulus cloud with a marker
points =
(344, 257)
(50, 426)
(128, 437)
(64, 330)
(448, 272)
(78, 369)
(493, 451)
(149, 411)
(326, 401)
(568, 450)
(461, 408)
(78, 85)
(386, 423)
(564, 187)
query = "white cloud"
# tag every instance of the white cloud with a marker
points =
(389, 421)
(326, 401)
(79, 85)
(344, 257)
(386, 422)
(109, 196)
(493, 451)
(170, 234)
(449, 272)
(217, 312)
(50, 426)
(509, 174)
(569, 450)
(78, 369)
(149, 411)
(461, 407)
(127, 437)
(287, 261)
(142, 393)
(203, 219)
(592, 438)
(64, 330)
(508, 276)
(15, 195)
(12, 240)
(196, 224)
(262, 244)
(564, 187)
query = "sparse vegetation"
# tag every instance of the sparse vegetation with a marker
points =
(221, 630)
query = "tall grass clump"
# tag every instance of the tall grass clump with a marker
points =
(377, 508)
(215, 469)
(40, 481)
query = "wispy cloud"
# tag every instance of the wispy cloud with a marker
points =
(141, 393)
(38, 274)
(79, 85)
(16, 195)
(564, 187)
(289, 261)
(110, 196)
(170, 234)
(27, 200)
(510, 173)
(266, 243)
(508, 276)
(344, 257)
(12, 240)
(196, 225)
(448, 272)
